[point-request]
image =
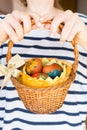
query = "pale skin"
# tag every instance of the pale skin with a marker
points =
(15, 25)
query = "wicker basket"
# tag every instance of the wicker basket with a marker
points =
(44, 100)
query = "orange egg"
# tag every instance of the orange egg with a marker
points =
(33, 66)
(53, 70)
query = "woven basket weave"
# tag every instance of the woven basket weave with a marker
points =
(44, 100)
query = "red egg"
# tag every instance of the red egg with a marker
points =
(33, 66)
(40, 75)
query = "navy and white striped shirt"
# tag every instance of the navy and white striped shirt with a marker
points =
(72, 115)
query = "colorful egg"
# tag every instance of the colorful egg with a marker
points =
(53, 70)
(33, 66)
(40, 75)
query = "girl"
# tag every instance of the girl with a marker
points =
(43, 40)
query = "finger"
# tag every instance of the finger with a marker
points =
(55, 25)
(3, 34)
(61, 18)
(68, 27)
(73, 32)
(24, 19)
(10, 31)
(76, 29)
(15, 25)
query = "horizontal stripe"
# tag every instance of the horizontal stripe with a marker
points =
(69, 113)
(44, 123)
(38, 55)
(79, 82)
(25, 111)
(16, 128)
(42, 47)
(2, 17)
(77, 92)
(2, 108)
(81, 74)
(83, 16)
(41, 38)
(83, 54)
(3, 45)
(82, 64)
(50, 56)
(1, 78)
(1, 118)
(75, 103)
(10, 99)
(12, 88)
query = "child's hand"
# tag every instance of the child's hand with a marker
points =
(74, 27)
(16, 24)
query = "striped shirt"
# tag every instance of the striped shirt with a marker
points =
(72, 114)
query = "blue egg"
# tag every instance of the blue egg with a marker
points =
(54, 73)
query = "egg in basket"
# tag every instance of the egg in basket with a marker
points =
(44, 72)
(42, 83)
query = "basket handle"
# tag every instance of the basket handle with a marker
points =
(76, 52)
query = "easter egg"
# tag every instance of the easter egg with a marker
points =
(40, 75)
(33, 66)
(53, 70)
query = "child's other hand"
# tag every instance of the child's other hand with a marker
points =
(74, 27)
